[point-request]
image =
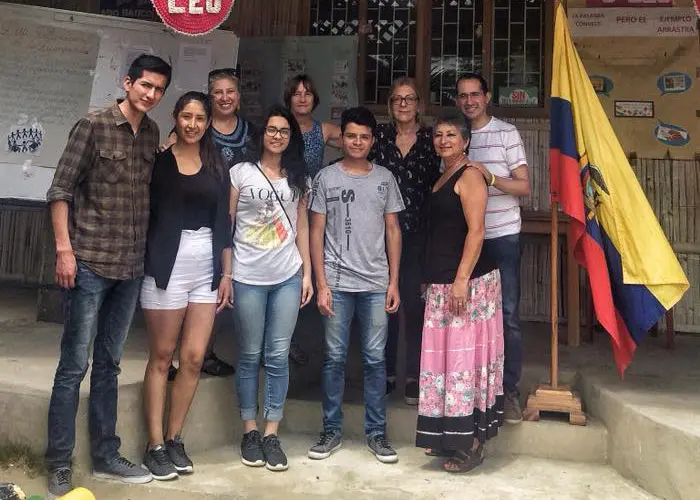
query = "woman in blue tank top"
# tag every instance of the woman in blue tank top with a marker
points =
(302, 99)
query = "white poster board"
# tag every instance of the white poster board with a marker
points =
(268, 63)
(88, 55)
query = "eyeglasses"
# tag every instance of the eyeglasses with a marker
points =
(471, 95)
(399, 99)
(271, 131)
(230, 72)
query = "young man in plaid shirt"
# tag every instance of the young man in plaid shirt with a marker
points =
(99, 201)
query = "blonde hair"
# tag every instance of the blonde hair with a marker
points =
(408, 82)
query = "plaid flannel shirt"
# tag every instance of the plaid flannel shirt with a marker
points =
(104, 175)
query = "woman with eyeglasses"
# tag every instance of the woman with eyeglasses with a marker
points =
(405, 147)
(272, 277)
(188, 275)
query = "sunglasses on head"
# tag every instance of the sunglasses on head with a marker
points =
(234, 72)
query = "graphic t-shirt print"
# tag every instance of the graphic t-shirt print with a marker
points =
(268, 230)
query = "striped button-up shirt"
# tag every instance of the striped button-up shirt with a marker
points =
(104, 175)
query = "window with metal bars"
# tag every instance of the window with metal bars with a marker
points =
(456, 37)
(518, 53)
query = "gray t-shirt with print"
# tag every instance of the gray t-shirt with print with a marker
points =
(355, 249)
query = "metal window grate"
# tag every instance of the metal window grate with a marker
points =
(518, 46)
(391, 43)
(456, 35)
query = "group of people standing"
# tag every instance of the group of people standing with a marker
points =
(232, 215)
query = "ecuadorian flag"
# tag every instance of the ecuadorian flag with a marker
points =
(634, 274)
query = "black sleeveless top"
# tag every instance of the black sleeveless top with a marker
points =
(445, 232)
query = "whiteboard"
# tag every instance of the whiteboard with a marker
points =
(94, 81)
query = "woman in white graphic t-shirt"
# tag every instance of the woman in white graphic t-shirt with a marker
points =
(271, 277)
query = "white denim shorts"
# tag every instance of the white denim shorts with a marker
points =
(190, 281)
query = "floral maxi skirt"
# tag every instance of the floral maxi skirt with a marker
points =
(461, 372)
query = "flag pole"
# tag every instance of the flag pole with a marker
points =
(552, 397)
(554, 294)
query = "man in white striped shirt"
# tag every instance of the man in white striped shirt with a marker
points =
(497, 150)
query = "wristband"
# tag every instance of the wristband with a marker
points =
(493, 180)
(229, 276)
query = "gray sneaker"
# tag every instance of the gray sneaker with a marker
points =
(381, 449)
(60, 483)
(329, 442)
(122, 470)
(512, 413)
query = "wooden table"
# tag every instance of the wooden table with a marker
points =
(541, 223)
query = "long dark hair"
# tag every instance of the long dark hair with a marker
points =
(293, 157)
(211, 159)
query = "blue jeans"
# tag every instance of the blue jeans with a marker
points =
(373, 324)
(506, 252)
(98, 309)
(264, 317)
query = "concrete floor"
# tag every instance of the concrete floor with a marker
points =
(353, 473)
(652, 417)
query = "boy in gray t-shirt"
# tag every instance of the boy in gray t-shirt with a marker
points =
(355, 251)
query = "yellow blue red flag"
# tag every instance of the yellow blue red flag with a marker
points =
(634, 274)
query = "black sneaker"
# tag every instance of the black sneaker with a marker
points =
(329, 442)
(275, 458)
(158, 463)
(380, 447)
(411, 393)
(178, 456)
(252, 453)
(60, 483)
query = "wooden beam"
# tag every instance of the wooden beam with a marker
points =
(422, 76)
(487, 43)
(362, 50)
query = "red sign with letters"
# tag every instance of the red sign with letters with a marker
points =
(629, 3)
(193, 17)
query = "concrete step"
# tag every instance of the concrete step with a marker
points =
(214, 421)
(353, 472)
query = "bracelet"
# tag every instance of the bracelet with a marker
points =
(229, 276)
(493, 180)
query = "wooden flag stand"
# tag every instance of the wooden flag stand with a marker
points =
(553, 397)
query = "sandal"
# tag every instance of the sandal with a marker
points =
(439, 453)
(464, 462)
(215, 367)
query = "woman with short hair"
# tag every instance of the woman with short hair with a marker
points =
(461, 380)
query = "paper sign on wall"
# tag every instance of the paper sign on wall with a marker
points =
(662, 22)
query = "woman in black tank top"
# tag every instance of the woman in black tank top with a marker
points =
(461, 380)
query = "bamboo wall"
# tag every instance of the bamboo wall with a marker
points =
(673, 190)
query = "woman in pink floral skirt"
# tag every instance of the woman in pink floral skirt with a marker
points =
(461, 379)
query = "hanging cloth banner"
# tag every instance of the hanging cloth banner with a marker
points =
(193, 17)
